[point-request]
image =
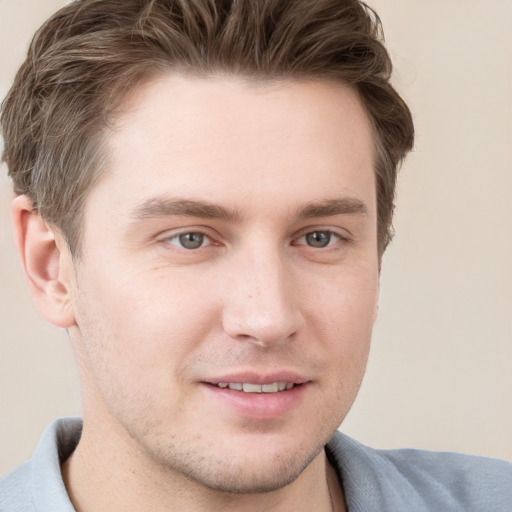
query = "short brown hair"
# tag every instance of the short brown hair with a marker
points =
(85, 59)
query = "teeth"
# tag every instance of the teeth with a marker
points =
(252, 388)
(270, 388)
(248, 387)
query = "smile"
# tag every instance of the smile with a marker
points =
(258, 397)
(248, 387)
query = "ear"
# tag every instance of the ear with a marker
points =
(47, 263)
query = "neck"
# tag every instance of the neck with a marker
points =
(102, 475)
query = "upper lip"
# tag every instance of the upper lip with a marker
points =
(259, 378)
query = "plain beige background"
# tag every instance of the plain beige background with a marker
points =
(440, 371)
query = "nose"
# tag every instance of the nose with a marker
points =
(261, 304)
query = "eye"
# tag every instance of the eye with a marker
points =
(318, 239)
(193, 240)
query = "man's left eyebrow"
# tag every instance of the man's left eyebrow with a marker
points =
(331, 207)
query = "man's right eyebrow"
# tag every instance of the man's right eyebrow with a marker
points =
(163, 207)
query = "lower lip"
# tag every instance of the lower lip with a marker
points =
(259, 406)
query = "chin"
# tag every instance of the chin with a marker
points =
(251, 477)
(262, 466)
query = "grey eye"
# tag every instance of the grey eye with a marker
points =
(318, 238)
(191, 240)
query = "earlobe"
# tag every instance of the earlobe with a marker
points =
(47, 263)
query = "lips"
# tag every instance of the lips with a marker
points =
(249, 387)
(257, 396)
(252, 382)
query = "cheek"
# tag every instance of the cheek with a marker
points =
(344, 314)
(133, 344)
(141, 327)
(148, 301)
(346, 303)
(344, 322)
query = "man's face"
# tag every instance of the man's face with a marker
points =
(231, 243)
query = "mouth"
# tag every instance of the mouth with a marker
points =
(249, 387)
(258, 397)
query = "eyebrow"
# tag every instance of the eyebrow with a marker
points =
(163, 207)
(331, 207)
(156, 207)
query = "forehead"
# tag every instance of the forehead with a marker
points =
(232, 140)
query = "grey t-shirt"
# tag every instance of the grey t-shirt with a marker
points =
(373, 480)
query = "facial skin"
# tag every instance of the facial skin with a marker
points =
(262, 176)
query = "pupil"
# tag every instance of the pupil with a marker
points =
(192, 240)
(318, 238)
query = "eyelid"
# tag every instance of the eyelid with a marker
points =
(330, 244)
(339, 233)
(205, 240)
(166, 236)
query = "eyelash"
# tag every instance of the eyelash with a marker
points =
(323, 232)
(178, 236)
(295, 242)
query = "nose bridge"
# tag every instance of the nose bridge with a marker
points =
(261, 305)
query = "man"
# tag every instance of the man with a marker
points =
(204, 194)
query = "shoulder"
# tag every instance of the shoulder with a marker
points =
(420, 480)
(15, 494)
(37, 484)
